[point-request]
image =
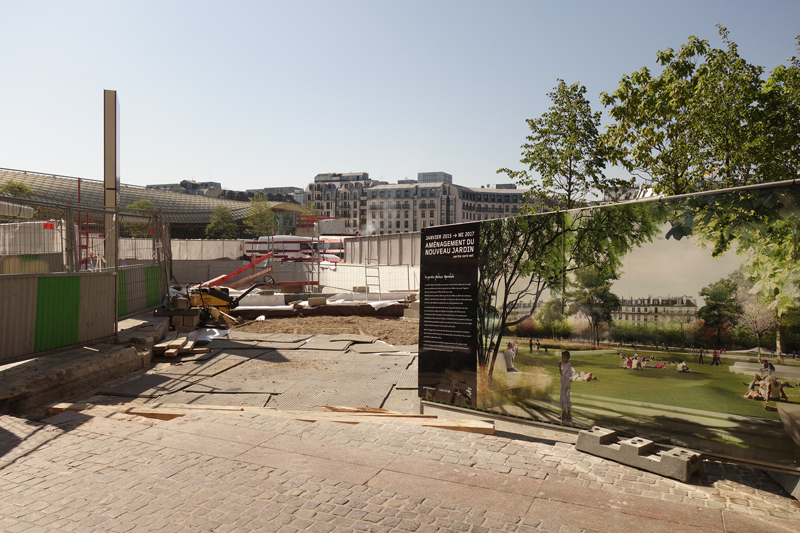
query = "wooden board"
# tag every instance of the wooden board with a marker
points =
(170, 411)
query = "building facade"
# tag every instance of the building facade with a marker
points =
(657, 310)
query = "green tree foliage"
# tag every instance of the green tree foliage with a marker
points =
(222, 225)
(522, 257)
(260, 219)
(781, 131)
(140, 229)
(721, 309)
(564, 150)
(757, 313)
(592, 297)
(16, 189)
(701, 120)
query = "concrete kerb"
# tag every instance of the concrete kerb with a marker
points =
(28, 386)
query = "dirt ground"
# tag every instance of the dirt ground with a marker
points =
(391, 330)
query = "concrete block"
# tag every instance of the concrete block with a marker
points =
(317, 301)
(789, 482)
(415, 306)
(676, 463)
(177, 321)
(191, 320)
(359, 289)
(184, 329)
(179, 303)
(411, 313)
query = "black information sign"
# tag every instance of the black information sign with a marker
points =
(448, 314)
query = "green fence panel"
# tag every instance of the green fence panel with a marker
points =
(152, 282)
(57, 312)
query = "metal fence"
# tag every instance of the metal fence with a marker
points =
(65, 269)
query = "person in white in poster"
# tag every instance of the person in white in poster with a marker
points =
(509, 356)
(565, 370)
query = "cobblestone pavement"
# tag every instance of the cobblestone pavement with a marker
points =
(200, 473)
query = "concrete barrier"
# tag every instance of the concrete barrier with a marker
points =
(782, 372)
(677, 463)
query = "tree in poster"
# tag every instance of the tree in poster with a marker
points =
(591, 297)
(222, 225)
(721, 308)
(761, 224)
(757, 314)
(522, 257)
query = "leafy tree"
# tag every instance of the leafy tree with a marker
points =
(222, 225)
(522, 257)
(16, 189)
(310, 210)
(140, 229)
(721, 308)
(700, 122)
(780, 132)
(757, 313)
(593, 298)
(652, 135)
(260, 218)
(564, 150)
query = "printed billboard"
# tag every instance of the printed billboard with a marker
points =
(681, 317)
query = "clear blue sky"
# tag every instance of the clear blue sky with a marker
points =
(256, 94)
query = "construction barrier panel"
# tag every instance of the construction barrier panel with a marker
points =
(680, 317)
(48, 311)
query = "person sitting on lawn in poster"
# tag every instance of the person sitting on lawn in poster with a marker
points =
(768, 367)
(509, 356)
(774, 390)
(565, 371)
(683, 367)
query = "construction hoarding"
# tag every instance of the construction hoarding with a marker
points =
(668, 308)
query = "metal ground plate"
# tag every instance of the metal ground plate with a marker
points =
(189, 398)
(201, 368)
(150, 386)
(309, 395)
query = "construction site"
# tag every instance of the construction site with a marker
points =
(270, 384)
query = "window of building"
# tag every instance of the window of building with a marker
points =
(398, 193)
(398, 214)
(374, 194)
(406, 224)
(423, 214)
(381, 214)
(382, 193)
(431, 213)
(373, 214)
(397, 224)
(390, 214)
(424, 192)
(406, 193)
(381, 225)
(405, 214)
(507, 207)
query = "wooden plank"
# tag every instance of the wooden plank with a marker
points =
(172, 352)
(177, 343)
(186, 348)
